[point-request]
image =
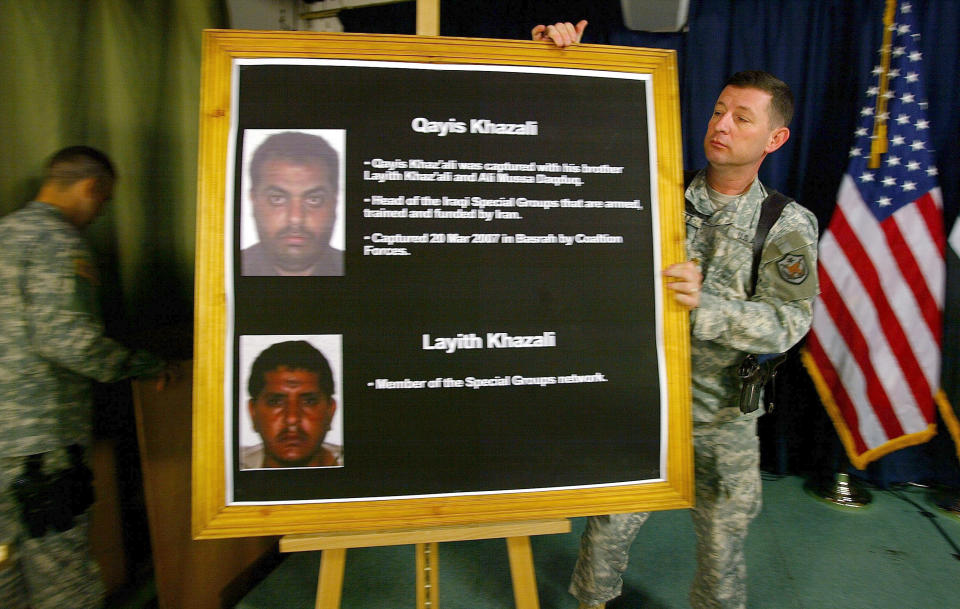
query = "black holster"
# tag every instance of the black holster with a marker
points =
(755, 372)
(51, 502)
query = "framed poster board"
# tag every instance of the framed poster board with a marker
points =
(428, 284)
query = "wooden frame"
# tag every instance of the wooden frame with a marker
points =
(213, 515)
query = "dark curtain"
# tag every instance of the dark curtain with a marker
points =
(825, 50)
(123, 76)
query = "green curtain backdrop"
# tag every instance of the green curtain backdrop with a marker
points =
(122, 76)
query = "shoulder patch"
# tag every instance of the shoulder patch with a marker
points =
(85, 269)
(793, 268)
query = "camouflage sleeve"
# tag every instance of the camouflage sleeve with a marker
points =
(60, 285)
(780, 311)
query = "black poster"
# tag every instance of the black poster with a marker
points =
(478, 266)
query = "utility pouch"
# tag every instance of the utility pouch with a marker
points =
(755, 372)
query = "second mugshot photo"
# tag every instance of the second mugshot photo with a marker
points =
(290, 414)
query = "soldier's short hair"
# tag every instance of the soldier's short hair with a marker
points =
(75, 163)
(293, 355)
(295, 147)
(782, 97)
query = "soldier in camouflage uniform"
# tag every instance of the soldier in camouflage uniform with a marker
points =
(51, 346)
(730, 318)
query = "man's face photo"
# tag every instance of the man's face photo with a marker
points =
(294, 205)
(292, 415)
(291, 214)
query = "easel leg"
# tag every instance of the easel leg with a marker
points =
(428, 574)
(330, 583)
(521, 571)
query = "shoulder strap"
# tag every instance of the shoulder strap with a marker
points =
(770, 211)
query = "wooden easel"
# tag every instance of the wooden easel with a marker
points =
(334, 553)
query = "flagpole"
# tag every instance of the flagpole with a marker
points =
(843, 490)
(879, 145)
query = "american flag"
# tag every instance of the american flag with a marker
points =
(874, 347)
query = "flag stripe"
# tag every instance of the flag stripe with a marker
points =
(934, 262)
(931, 206)
(849, 394)
(873, 253)
(838, 402)
(887, 347)
(856, 358)
(910, 270)
(914, 245)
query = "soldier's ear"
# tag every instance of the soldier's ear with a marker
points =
(778, 137)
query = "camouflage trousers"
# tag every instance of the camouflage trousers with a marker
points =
(727, 469)
(49, 572)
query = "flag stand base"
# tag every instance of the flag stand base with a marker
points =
(841, 491)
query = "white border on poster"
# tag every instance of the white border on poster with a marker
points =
(228, 244)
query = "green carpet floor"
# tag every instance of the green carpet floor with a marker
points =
(899, 552)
